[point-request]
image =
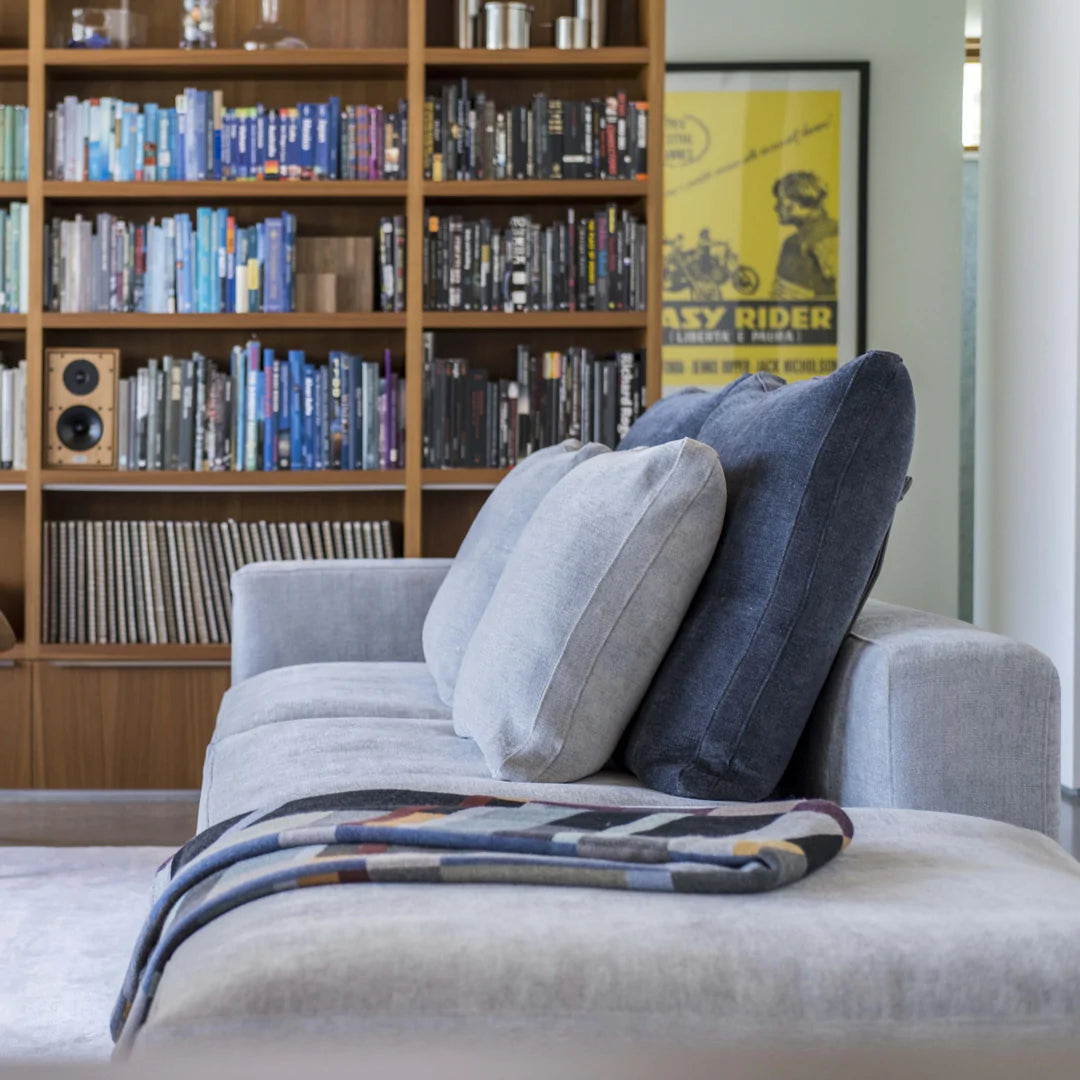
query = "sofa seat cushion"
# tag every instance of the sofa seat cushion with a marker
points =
(928, 923)
(294, 759)
(384, 688)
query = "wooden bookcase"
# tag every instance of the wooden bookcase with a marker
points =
(140, 715)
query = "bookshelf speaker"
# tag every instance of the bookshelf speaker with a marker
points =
(81, 407)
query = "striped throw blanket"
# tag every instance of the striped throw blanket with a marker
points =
(428, 837)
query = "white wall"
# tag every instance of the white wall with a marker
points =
(1029, 337)
(915, 49)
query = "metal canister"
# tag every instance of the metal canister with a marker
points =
(495, 24)
(581, 33)
(564, 32)
(597, 13)
(518, 25)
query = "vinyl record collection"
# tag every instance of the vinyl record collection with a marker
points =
(167, 582)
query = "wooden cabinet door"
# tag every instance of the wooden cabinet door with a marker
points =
(14, 725)
(123, 726)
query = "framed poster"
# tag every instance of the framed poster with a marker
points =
(764, 220)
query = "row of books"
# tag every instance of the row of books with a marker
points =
(198, 138)
(15, 258)
(183, 265)
(591, 261)
(468, 137)
(14, 143)
(12, 415)
(262, 412)
(474, 421)
(167, 582)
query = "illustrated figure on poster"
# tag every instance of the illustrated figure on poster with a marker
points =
(807, 266)
(706, 268)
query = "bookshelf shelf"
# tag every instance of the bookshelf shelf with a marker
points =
(535, 320)
(292, 320)
(462, 479)
(227, 63)
(159, 654)
(161, 698)
(158, 480)
(628, 58)
(547, 190)
(14, 60)
(237, 191)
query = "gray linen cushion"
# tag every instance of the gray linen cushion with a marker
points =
(471, 579)
(588, 603)
(814, 472)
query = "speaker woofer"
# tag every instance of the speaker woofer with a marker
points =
(81, 377)
(79, 428)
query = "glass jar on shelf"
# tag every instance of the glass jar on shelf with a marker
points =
(197, 24)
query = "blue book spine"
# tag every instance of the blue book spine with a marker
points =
(183, 299)
(220, 274)
(153, 148)
(292, 143)
(252, 147)
(296, 407)
(203, 130)
(273, 146)
(274, 296)
(180, 157)
(284, 419)
(218, 117)
(322, 141)
(241, 145)
(125, 140)
(273, 399)
(334, 418)
(254, 407)
(346, 419)
(260, 141)
(230, 264)
(308, 445)
(194, 135)
(356, 458)
(204, 221)
(176, 150)
(139, 146)
(307, 140)
(289, 222)
(334, 138)
(321, 377)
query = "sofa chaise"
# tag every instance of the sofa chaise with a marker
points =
(953, 907)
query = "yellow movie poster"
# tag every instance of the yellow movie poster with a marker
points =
(762, 221)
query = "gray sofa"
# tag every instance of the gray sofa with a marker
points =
(952, 907)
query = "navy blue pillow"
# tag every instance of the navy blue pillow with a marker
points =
(814, 472)
(677, 416)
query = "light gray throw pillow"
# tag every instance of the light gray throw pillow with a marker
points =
(472, 577)
(586, 608)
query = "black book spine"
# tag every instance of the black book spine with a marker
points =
(475, 418)
(520, 142)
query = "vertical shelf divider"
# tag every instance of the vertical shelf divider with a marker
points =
(414, 239)
(34, 342)
(653, 36)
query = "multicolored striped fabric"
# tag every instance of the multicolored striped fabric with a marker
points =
(439, 838)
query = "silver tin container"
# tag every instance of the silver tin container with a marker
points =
(495, 25)
(580, 31)
(564, 32)
(597, 14)
(518, 25)
(467, 19)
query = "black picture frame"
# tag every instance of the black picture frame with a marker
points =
(861, 68)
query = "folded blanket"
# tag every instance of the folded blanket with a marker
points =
(432, 837)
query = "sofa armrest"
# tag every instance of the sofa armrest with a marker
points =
(928, 713)
(301, 612)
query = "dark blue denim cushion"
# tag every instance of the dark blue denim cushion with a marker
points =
(678, 416)
(814, 472)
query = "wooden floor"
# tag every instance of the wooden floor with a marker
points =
(122, 818)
